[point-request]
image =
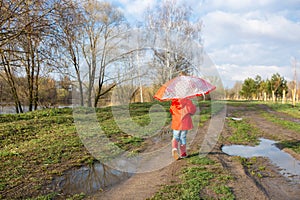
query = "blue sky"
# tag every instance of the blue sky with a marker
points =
(243, 38)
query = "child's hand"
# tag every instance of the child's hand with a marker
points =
(177, 104)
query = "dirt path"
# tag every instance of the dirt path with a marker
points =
(245, 186)
(142, 186)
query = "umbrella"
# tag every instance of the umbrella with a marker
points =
(183, 87)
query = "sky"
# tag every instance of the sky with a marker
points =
(242, 38)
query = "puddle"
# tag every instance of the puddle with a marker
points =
(88, 179)
(288, 166)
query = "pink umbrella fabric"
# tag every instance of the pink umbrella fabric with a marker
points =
(184, 87)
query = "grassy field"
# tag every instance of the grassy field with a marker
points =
(37, 146)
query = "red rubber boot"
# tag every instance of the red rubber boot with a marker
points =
(183, 151)
(174, 149)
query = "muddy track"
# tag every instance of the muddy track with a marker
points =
(244, 185)
(273, 184)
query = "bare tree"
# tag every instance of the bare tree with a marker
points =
(171, 18)
(131, 74)
(36, 36)
(11, 12)
(69, 22)
(234, 92)
(25, 29)
(104, 27)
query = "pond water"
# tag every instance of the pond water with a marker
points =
(7, 110)
(88, 179)
(12, 110)
(287, 164)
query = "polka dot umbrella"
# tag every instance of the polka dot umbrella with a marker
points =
(184, 87)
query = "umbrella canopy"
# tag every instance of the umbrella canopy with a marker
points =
(183, 87)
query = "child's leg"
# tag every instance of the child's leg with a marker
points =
(176, 137)
(175, 140)
(183, 143)
(182, 137)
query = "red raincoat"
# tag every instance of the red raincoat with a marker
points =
(181, 111)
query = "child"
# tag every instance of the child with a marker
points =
(181, 110)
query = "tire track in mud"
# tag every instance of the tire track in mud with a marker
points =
(243, 186)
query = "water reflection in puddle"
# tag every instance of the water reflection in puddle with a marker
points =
(288, 165)
(88, 179)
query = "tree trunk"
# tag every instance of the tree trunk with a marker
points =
(265, 96)
(101, 94)
(101, 74)
(36, 89)
(11, 82)
(92, 72)
(30, 72)
(283, 97)
(76, 66)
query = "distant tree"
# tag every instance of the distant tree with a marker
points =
(258, 80)
(5, 93)
(64, 87)
(248, 89)
(263, 89)
(235, 91)
(48, 92)
(277, 85)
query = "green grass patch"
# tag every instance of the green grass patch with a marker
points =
(294, 145)
(242, 132)
(252, 167)
(290, 125)
(202, 174)
(286, 108)
(243, 103)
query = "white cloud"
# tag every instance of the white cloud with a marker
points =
(231, 73)
(244, 38)
(225, 28)
(251, 43)
(239, 6)
(134, 9)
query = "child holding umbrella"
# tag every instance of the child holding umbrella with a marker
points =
(179, 90)
(181, 110)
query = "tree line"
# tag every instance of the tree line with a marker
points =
(272, 89)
